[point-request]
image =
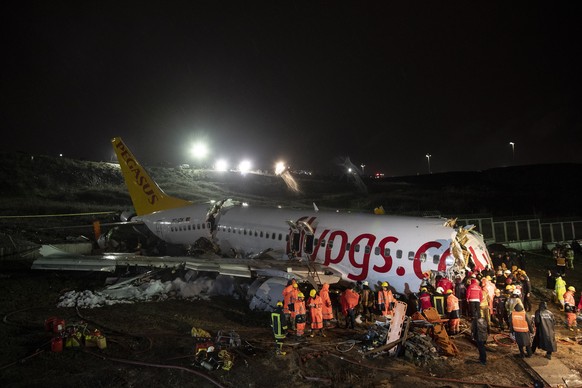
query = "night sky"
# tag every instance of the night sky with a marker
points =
(309, 82)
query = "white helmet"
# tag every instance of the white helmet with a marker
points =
(517, 292)
(364, 283)
(440, 290)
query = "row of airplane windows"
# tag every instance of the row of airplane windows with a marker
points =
(279, 236)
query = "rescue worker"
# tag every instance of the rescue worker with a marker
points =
(386, 300)
(279, 325)
(545, 337)
(569, 256)
(461, 294)
(560, 291)
(479, 334)
(570, 308)
(439, 302)
(350, 300)
(474, 296)
(485, 306)
(425, 299)
(326, 308)
(300, 315)
(499, 309)
(453, 312)
(316, 313)
(521, 327)
(367, 302)
(445, 284)
(513, 301)
(289, 297)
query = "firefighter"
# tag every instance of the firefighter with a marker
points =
(425, 299)
(350, 300)
(560, 291)
(367, 302)
(474, 296)
(453, 311)
(570, 308)
(300, 315)
(499, 309)
(279, 325)
(316, 313)
(545, 337)
(326, 309)
(289, 297)
(386, 300)
(439, 302)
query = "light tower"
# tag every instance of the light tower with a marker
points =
(428, 160)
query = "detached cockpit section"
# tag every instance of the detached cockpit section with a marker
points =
(468, 249)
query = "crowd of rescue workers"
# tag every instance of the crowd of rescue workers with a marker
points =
(490, 299)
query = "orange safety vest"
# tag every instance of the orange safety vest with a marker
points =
(518, 321)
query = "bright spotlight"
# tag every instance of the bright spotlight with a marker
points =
(280, 168)
(244, 166)
(221, 165)
(199, 150)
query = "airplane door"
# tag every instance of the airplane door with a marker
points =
(308, 237)
(159, 230)
(294, 238)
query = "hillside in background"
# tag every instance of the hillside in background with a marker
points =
(50, 185)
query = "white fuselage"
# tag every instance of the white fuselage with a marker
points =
(369, 247)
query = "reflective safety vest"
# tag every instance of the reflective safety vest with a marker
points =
(518, 322)
(279, 324)
(438, 302)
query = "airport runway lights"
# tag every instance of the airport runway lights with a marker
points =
(512, 144)
(428, 160)
(244, 166)
(362, 165)
(221, 165)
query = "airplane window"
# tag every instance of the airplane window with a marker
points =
(348, 245)
(189, 227)
(422, 257)
(275, 236)
(256, 234)
(357, 248)
(322, 243)
(368, 249)
(410, 255)
(399, 253)
(240, 231)
(229, 229)
(386, 252)
(245, 232)
(436, 259)
(261, 233)
(280, 237)
(203, 226)
(330, 244)
(267, 235)
(287, 237)
(315, 242)
(377, 251)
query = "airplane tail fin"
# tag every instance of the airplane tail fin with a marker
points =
(146, 195)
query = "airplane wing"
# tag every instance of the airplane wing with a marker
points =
(55, 259)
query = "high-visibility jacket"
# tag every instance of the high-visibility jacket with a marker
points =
(326, 308)
(452, 303)
(315, 312)
(474, 292)
(300, 312)
(425, 300)
(385, 298)
(518, 322)
(289, 297)
(569, 298)
(352, 298)
(439, 303)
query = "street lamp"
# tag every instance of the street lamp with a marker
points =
(428, 159)
(512, 144)
(362, 165)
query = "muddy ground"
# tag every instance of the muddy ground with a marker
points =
(150, 344)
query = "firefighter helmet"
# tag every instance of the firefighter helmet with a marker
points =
(312, 293)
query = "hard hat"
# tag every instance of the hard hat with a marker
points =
(312, 293)
(508, 287)
(507, 272)
(384, 284)
(279, 304)
(517, 292)
(497, 292)
(571, 288)
(440, 290)
(449, 291)
(364, 283)
(488, 277)
(300, 295)
(295, 285)
(423, 289)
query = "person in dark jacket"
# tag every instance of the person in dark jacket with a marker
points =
(479, 333)
(545, 337)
